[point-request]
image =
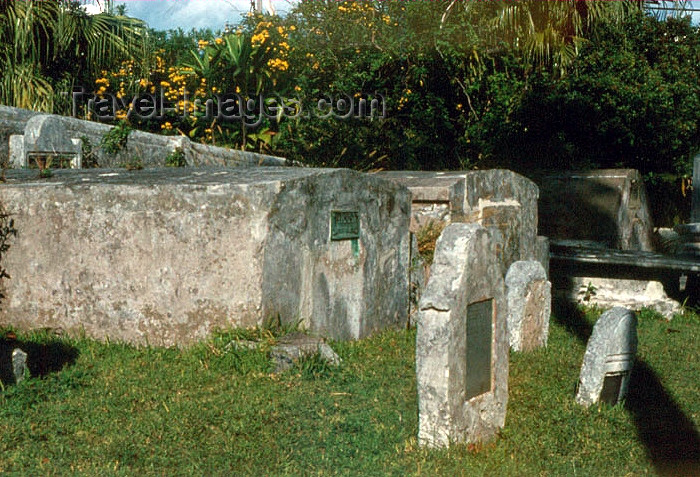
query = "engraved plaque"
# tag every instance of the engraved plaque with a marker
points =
(611, 388)
(479, 337)
(345, 225)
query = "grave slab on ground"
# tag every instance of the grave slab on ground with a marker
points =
(529, 298)
(462, 342)
(167, 255)
(609, 358)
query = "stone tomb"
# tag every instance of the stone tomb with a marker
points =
(609, 358)
(461, 341)
(607, 206)
(166, 255)
(529, 298)
(498, 199)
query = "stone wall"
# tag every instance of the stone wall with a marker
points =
(167, 255)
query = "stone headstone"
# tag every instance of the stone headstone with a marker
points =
(48, 136)
(461, 341)
(609, 358)
(529, 298)
(19, 364)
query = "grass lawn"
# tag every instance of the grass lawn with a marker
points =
(114, 409)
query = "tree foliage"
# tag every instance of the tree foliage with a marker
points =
(44, 44)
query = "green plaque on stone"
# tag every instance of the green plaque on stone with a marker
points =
(345, 225)
(479, 337)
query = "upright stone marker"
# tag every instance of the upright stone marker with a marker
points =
(461, 341)
(609, 358)
(529, 297)
(47, 136)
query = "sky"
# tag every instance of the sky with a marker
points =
(188, 14)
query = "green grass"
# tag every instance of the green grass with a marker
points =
(213, 410)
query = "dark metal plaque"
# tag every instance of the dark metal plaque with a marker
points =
(611, 388)
(479, 338)
(345, 225)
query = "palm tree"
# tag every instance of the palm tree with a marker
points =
(44, 41)
(546, 33)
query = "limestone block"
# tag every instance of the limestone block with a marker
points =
(609, 358)
(529, 298)
(461, 341)
(611, 292)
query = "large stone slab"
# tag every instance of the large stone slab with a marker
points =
(529, 298)
(462, 342)
(609, 358)
(167, 255)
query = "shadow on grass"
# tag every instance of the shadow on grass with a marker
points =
(671, 440)
(42, 358)
(670, 437)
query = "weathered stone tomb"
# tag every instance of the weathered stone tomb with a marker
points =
(529, 299)
(461, 341)
(609, 358)
(498, 199)
(167, 255)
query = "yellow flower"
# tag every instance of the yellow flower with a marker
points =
(166, 125)
(164, 83)
(202, 44)
(219, 41)
(144, 82)
(280, 30)
(292, 28)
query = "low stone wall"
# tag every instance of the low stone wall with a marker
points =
(167, 255)
(151, 149)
